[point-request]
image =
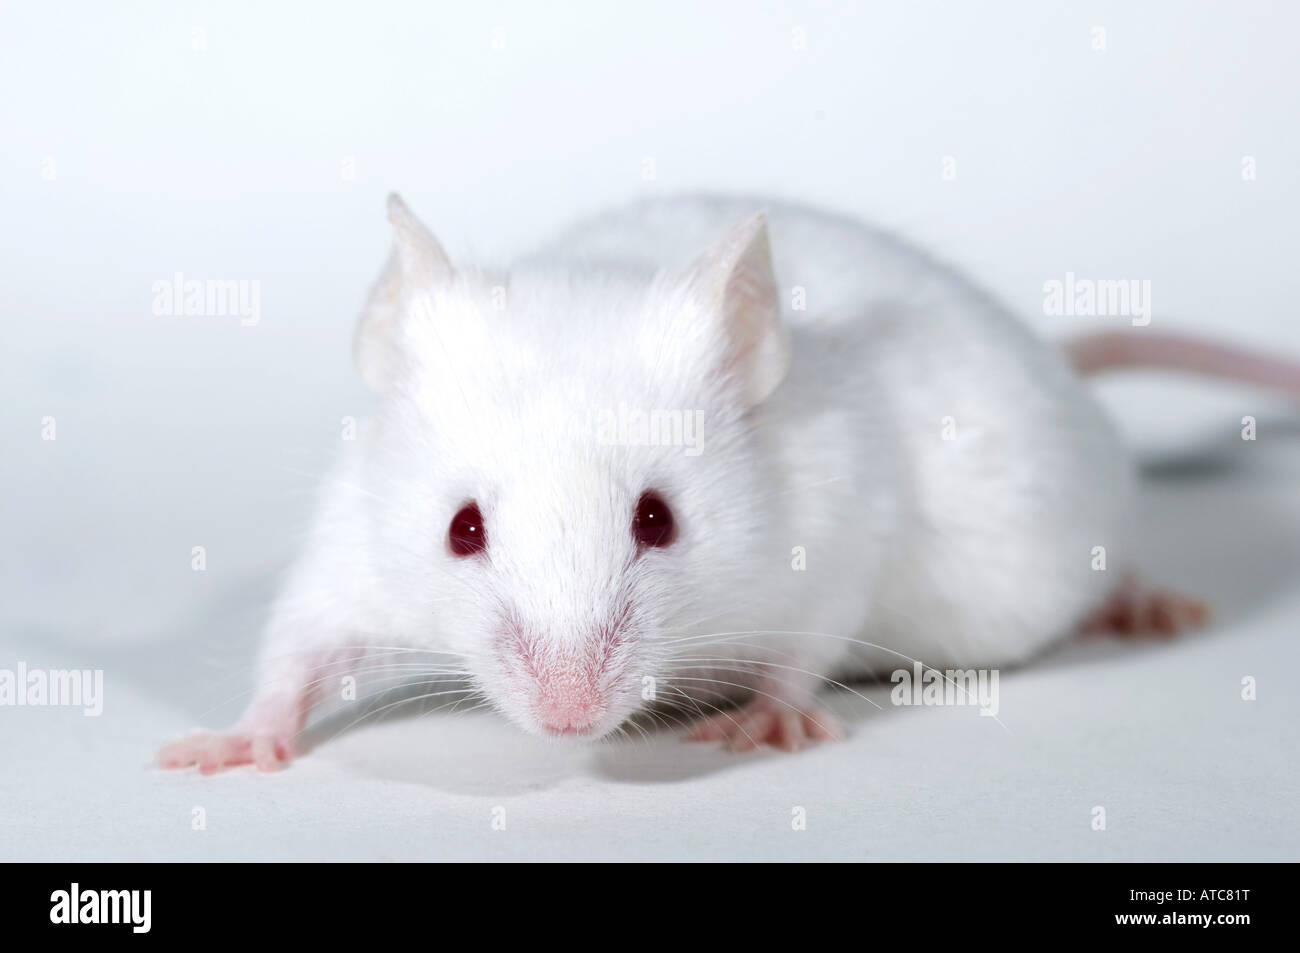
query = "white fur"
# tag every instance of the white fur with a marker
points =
(974, 551)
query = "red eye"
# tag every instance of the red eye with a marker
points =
(653, 523)
(466, 537)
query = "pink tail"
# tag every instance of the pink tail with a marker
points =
(1108, 350)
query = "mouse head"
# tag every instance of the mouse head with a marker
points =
(565, 474)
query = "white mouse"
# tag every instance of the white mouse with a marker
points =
(663, 462)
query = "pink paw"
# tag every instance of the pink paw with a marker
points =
(768, 721)
(214, 751)
(1134, 610)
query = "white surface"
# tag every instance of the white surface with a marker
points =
(175, 432)
(1155, 733)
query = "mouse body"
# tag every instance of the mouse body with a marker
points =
(949, 471)
(691, 453)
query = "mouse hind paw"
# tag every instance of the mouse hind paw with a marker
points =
(1136, 609)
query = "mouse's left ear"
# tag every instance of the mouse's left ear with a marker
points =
(737, 287)
(417, 263)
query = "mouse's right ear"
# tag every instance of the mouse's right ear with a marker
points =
(735, 280)
(417, 263)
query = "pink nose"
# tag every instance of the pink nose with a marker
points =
(566, 705)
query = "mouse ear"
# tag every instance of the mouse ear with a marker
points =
(416, 262)
(734, 279)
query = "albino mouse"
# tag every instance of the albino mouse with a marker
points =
(666, 462)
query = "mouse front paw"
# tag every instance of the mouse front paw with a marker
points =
(264, 737)
(212, 751)
(769, 721)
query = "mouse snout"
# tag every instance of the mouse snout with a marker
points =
(568, 702)
(568, 680)
(567, 705)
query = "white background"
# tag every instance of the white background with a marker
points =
(141, 140)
